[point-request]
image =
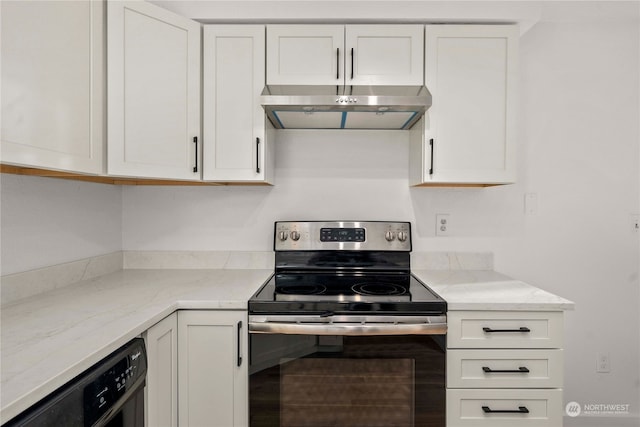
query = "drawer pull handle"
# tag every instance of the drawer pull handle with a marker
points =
(521, 329)
(521, 369)
(520, 410)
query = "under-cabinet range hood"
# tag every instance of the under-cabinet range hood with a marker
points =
(345, 107)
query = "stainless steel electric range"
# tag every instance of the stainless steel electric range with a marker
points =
(343, 333)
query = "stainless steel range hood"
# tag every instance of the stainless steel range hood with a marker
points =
(345, 107)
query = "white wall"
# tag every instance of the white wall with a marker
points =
(48, 221)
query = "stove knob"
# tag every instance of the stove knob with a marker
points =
(283, 235)
(390, 236)
(295, 235)
(402, 236)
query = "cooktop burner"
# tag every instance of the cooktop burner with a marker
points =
(303, 286)
(297, 289)
(382, 288)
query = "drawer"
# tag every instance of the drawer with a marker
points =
(524, 408)
(504, 329)
(504, 368)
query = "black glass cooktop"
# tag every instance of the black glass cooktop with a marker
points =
(342, 287)
(345, 292)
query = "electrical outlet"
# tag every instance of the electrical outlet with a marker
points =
(603, 363)
(531, 204)
(635, 223)
(443, 225)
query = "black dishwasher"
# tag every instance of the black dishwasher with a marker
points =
(109, 394)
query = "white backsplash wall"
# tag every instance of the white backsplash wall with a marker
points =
(47, 221)
(320, 175)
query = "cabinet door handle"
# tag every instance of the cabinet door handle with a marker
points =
(337, 63)
(195, 141)
(521, 329)
(239, 361)
(521, 369)
(257, 155)
(431, 165)
(351, 63)
(520, 410)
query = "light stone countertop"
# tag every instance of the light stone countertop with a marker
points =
(50, 338)
(489, 290)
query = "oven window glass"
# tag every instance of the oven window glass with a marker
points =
(374, 381)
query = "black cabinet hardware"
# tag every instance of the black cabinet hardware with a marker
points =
(337, 63)
(521, 369)
(195, 141)
(431, 166)
(521, 329)
(520, 410)
(239, 362)
(257, 155)
(351, 63)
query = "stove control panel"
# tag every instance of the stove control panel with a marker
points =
(342, 235)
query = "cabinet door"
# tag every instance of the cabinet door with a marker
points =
(213, 381)
(305, 54)
(162, 373)
(470, 71)
(234, 121)
(52, 85)
(153, 92)
(384, 55)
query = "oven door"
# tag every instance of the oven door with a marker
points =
(347, 371)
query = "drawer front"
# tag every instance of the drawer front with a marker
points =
(504, 329)
(504, 368)
(522, 408)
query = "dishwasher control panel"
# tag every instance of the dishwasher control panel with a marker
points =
(125, 370)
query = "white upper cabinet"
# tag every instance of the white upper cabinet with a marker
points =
(53, 85)
(237, 138)
(345, 55)
(153, 92)
(305, 54)
(468, 134)
(387, 55)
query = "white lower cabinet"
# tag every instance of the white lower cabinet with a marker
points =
(162, 373)
(504, 368)
(212, 368)
(198, 370)
(504, 408)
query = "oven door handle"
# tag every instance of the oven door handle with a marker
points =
(347, 328)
